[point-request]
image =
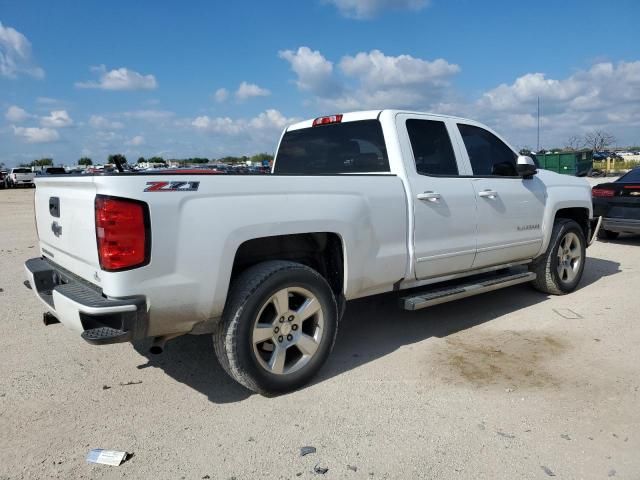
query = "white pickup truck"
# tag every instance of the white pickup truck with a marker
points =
(357, 204)
(20, 176)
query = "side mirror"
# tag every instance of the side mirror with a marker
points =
(525, 166)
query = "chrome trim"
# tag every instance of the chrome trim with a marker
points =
(445, 255)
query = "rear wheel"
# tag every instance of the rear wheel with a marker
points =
(607, 234)
(278, 327)
(560, 269)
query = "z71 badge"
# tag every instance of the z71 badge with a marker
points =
(172, 186)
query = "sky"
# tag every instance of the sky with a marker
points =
(210, 79)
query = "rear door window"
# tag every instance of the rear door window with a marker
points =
(489, 156)
(431, 145)
(351, 147)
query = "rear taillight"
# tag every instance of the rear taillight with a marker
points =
(327, 120)
(123, 234)
(602, 192)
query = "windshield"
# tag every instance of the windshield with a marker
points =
(21, 170)
(352, 147)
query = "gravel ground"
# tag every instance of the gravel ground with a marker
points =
(511, 384)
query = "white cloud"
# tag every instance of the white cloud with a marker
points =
(47, 100)
(604, 96)
(372, 80)
(119, 79)
(103, 123)
(15, 55)
(601, 85)
(16, 114)
(36, 135)
(268, 121)
(376, 70)
(56, 119)
(136, 141)
(364, 9)
(314, 71)
(221, 95)
(149, 115)
(224, 125)
(248, 90)
(226, 135)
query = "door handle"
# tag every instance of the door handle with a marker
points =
(488, 194)
(429, 196)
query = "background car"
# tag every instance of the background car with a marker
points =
(52, 171)
(618, 203)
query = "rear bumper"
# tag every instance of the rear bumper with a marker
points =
(627, 225)
(83, 308)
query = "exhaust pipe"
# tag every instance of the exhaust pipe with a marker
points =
(157, 346)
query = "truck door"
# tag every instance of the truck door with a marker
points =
(444, 203)
(510, 208)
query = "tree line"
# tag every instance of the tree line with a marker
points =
(595, 140)
(120, 158)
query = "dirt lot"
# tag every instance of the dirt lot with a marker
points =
(512, 384)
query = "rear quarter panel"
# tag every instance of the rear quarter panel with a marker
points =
(195, 235)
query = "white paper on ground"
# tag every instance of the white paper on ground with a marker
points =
(106, 457)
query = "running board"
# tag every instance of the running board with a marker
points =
(454, 292)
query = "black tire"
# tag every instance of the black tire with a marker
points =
(546, 266)
(249, 293)
(607, 234)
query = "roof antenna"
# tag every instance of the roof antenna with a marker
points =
(538, 147)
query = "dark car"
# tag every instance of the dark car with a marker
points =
(52, 171)
(3, 174)
(618, 203)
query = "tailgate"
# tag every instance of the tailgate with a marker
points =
(65, 218)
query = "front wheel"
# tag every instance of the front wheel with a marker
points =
(560, 269)
(278, 327)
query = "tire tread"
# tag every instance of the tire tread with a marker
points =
(542, 266)
(226, 335)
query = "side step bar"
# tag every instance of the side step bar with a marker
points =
(454, 292)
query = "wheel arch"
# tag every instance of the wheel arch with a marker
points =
(580, 215)
(322, 251)
(579, 211)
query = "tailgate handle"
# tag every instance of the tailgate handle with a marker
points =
(54, 207)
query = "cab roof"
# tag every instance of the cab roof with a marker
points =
(368, 115)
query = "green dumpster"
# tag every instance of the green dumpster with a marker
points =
(577, 164)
